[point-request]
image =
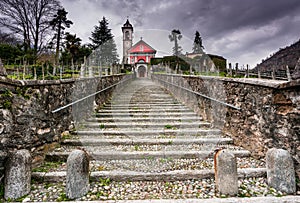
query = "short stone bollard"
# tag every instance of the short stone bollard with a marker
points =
(280, 170)
(17, 175)
(77, 174)
(226, 177)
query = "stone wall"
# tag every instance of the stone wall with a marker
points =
(269, 114)
(27, 120)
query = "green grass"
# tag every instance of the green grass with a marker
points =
(62, 197)
(136, 147)
(168, 126)
(102, 126)
(47, 166)
(104, 181)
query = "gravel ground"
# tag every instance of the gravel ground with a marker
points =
(154, 165)
(111, 190)
(159, 147)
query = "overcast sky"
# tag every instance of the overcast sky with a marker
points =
(243, 31)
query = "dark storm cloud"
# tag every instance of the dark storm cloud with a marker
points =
(241, 30)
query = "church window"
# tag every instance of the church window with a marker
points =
(141, 48)
(127, 35)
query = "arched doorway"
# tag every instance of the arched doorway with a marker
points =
(142, 70)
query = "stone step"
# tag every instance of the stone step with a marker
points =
(151, 125)
(144, 110)
(100, 142)
(146, 101)
(157, 107)
(149, 114)
(113, 155)
(147, 119)
(148, 105)
(148, 176)
(144, 132)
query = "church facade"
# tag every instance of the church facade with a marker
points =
(139, 54)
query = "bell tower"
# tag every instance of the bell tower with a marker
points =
(127, 30)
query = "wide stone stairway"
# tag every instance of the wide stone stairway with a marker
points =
(145, 144)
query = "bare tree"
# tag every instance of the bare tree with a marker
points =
(30, 19)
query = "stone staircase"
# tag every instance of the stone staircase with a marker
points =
(145, 134)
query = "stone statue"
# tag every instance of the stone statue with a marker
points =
(2, 69)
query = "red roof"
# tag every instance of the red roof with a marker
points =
(141, 47)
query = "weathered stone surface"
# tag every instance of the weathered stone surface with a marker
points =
(26, 120)
(17, 174)
(280, 170)
(226, 173)
(2, 69)
(77, 183)
(269, 115)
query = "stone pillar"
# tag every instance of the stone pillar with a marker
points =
(226, 173)
(2, 69)
(17, 175)
(77, 174)
(280, 170)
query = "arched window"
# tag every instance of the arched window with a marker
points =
(141, 48)
(127, 35)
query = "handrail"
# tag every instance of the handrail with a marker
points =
(79, 100)
(202, 95)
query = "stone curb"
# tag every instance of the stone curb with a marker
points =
(285, 199)
(113, 155)
(140, 176)
(171, 141)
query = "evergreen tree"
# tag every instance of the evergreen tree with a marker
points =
(103, 44)
(72, 45)
(175, 36)
(59, 23)
(198, 47)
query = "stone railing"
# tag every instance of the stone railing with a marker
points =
(257, 114)
(27, 109)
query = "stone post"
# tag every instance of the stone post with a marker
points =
(17, 175)
(236, 69)
(258, 73)
(288, 74)
(226, 173)
(280, 170)
(230, 70)
(2, 69)
(77, 184)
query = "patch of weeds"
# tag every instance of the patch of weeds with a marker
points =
(104, 181)
(47, 166)
(136, 147)
(150, 158)
(168, 126)
(20, 199)
(48, 185)
(102, 126)
(170, 142)
(101, 168)
(162, 160)
(7, 104)
(99, 194)
(168, 184)
(62, 197)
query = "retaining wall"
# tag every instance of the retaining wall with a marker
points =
(27, 121)
(268, 115)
